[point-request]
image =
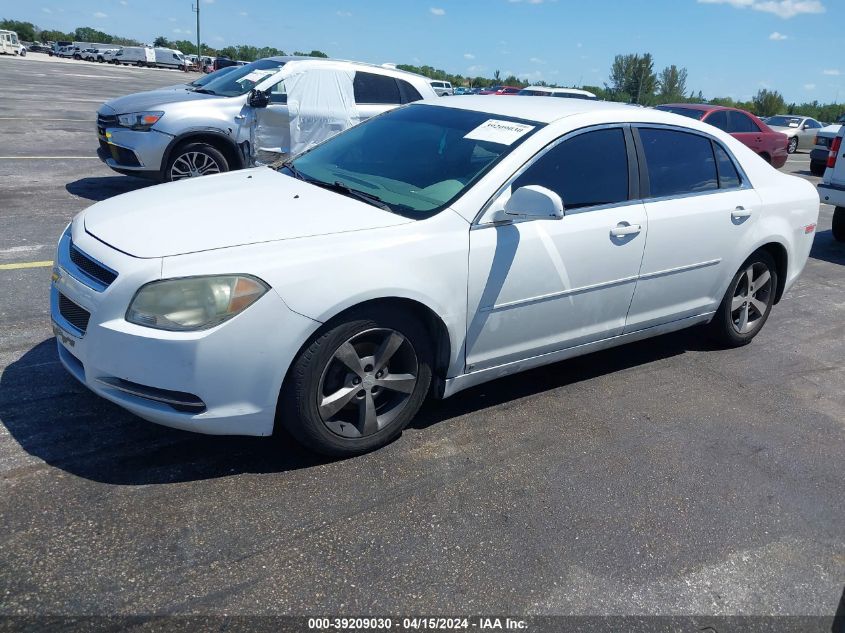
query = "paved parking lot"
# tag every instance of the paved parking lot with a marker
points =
(663, 477)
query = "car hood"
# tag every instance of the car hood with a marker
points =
(151, 99)
(232, 209)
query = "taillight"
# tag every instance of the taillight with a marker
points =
(834, 151)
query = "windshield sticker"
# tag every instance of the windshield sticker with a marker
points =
(257, 75)
(501, 132)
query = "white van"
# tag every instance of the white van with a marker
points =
(135, 56)
(10, 45)
(169, 58)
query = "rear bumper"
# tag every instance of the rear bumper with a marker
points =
(832, 194)
(818, 155)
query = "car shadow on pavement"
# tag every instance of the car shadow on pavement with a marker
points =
(827, 249)
(104, 187)
(59, 421)
(563, 373)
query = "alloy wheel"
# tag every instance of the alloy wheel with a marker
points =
(793, 145)
(367, 382)
(192, 165)
(752, 297)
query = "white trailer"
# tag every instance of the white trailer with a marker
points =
(10, 45)
(135, 56)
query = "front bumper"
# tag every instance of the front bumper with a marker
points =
(129, 150)
(222, 381)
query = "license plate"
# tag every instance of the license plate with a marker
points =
(65, 337)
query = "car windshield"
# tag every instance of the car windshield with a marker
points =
(242, 79)
(206, 79)
(688, 112)
(414, 160)
(784, 121)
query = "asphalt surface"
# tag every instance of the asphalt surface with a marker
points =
(665, 477)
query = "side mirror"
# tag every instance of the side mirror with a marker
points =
(535, 202)
(258, 99)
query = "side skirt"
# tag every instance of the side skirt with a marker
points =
(465, 381)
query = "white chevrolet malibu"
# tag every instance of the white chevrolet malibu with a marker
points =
(430, 249)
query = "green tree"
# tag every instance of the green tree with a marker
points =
(311, 54)
(88, 34)
(768, 102)
(672, 84)
(162, 42)
(26, 31)
(497, 76)
(633, 75)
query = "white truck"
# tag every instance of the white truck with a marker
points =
(10, 45)
(134, 56)
(832, 187)
(169, 58)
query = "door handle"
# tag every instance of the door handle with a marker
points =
(240, 117)
(740, 212)
(622, 229)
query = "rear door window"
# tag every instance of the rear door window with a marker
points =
(408, 93)
(718, 119)
(728, 175)
(678, 163)
(371, 88)
(741, 123)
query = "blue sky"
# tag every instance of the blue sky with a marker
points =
(730, 47)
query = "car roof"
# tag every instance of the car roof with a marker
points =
(386, 69)
(533, 109)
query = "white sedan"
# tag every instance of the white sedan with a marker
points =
(433, 248)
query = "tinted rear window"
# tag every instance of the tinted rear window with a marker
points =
(689, 112)
(678, 162)
(372, 88)
(728, 175)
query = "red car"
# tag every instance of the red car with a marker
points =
(500, 90)
(742, 125)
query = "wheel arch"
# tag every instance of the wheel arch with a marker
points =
(437, 329)
(216, 139)
(780, 255)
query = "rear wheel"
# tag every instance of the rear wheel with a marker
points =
(358, 384)
(839, 224)
(192, 160)
(747, 302)
(793, 145)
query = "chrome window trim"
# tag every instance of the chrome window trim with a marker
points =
(745, 183)
(545, 150)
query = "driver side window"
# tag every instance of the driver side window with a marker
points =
(277, 93)
(587, 170)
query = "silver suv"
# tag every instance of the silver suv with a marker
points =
(261, 112)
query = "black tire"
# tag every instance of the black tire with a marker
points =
(298, 411)
(838, 229)
(210, 151)
(792, 147)
(817, 167)
(724, 328)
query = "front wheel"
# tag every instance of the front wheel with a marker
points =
(358, 384)
(747, 302)
(793, 145)
(193, 160)
(839, 224)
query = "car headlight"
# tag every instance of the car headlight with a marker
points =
(193, 303)
(139, 121)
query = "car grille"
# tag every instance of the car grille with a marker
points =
(74, 314)
(106, 120)
(91, 267)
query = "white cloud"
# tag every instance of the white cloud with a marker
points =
(469, 56)
(243, 14)
(437, 11)
(46, 10)
(100, 15)
(124, 3)
(476, 69)
(833, 72)
(344, 14)
(530, 1)
(782, 8)
(537, 60)
(778, 37)
(809, 86)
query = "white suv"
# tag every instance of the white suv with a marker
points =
(245, 115)
(832, 187)
(443, 88)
